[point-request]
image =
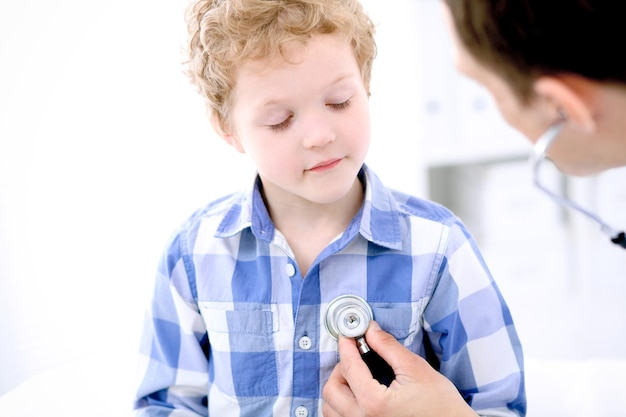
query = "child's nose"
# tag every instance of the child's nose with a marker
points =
(318, 132)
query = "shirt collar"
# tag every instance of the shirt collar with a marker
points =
(378, 220)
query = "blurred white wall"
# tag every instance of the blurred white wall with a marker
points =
(105, 149)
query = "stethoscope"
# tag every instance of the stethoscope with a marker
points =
(350, 316)
(538, 155)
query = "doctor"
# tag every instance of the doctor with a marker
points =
(556, 72)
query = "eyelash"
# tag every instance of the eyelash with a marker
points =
(282, 125)
(285, 123)
(341, 106)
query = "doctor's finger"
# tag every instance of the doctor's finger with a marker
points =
(339, 400)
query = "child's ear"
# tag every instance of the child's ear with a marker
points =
(572, 95)
(225, 133)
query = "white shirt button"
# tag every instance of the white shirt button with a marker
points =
(290, 270)
(305, 343)
(301, 411)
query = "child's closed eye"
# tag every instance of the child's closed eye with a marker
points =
(340, 106)
(282, 125)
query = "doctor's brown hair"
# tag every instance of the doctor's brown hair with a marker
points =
(521, 40)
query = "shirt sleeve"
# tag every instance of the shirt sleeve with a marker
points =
(471, 331)
(173, 365)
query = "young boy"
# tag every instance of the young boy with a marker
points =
(236, 326)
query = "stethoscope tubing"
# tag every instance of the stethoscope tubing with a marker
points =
(537, 158)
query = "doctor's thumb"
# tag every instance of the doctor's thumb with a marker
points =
(376, 336)
(384, 344)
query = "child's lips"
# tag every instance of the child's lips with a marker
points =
(325, 165)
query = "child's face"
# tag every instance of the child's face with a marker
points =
(305, 124)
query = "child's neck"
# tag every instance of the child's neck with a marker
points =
(310, 227)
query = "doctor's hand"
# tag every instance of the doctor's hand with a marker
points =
(418, 390)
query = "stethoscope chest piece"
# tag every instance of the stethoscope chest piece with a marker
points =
(348, 316)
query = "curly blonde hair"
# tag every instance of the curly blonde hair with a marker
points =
(225, 33)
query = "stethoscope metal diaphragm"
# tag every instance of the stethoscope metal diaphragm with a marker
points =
(348, 316)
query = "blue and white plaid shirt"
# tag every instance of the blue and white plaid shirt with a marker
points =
(234, 329)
